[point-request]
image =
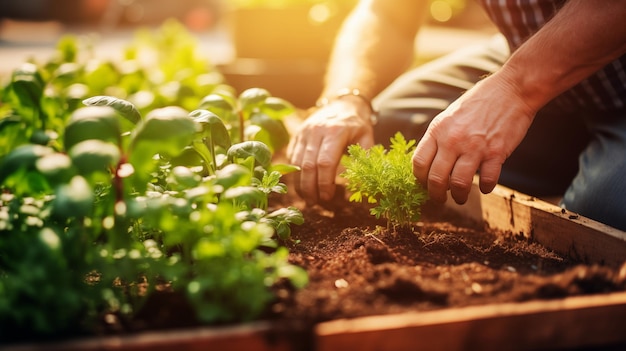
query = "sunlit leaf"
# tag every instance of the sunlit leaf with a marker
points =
(233, 175)
(253, 97)
(188, 157)
(57, 167)
(275, 131)
(283, 168)
(73, 200)
(184, 177)
(67, 73)
(277, 108)
(213, 128)
(249, 196)
(123, 107)
(168, 130)
(256, 149)
(99, 75)
(27, 87)
(67, 46)
(22, 158)
(91, 156)
(216, 102)
(93, 122)
(165, 132)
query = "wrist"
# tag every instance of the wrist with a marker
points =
(354, 95)
(515, 92)
(534, 87)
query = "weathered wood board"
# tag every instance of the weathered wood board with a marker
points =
(562, 231)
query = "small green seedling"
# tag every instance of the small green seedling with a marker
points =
(385, 178)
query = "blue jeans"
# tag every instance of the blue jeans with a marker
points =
(576, 154)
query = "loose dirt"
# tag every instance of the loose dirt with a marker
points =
(357, 266)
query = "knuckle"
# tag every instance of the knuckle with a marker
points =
(437, 181)
(459, 184)
(419, 162)
(325, 163)
(308, 166)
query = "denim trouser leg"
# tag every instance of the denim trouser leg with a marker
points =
(599, 189)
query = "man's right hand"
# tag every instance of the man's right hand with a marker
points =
(323, 139)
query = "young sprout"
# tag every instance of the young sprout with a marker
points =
(385, 178)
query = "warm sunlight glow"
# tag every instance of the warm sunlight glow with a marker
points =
(319, 13)
(441, 11)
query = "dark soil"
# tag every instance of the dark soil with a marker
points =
(358, 267)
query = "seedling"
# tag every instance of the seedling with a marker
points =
(385, 178)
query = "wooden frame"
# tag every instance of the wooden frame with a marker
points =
(573, 322)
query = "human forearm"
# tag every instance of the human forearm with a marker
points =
(581, 39)
(375, 45)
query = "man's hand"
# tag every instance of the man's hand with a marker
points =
(323, 138)
(476, 133)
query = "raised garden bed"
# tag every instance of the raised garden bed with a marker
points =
(504, 269)
(519, 271)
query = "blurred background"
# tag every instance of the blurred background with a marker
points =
(280, 45)
(111, 13)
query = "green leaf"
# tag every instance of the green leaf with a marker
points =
(123, 107)
(217, 104)
(22, 158)
(67, 47)
(255, 149)
(50, 239)
(275, 134)
(270, 182)
(185, 178)
(168, 130)
(56, 167)
(246, 196)
(67, 73)
(91, 156)
(189, 157)
(385, 177)
(283, 168)
(277, 108)
(253, 97)
(100, 75)
(165, 132)
(27, 87)
(76, 93)
(282, 219)
(296, 275)
(73, 200)
(9, 121)
(213, 129)
(93, 122)
(40, 137)
(233, 175)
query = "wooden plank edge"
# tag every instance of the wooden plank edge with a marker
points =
(257, 336)
(574, 322)
(562, 231)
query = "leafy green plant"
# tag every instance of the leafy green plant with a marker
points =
(158, 68)
(252, 115)
(113, 204)
(385, 178)
(102, 200)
